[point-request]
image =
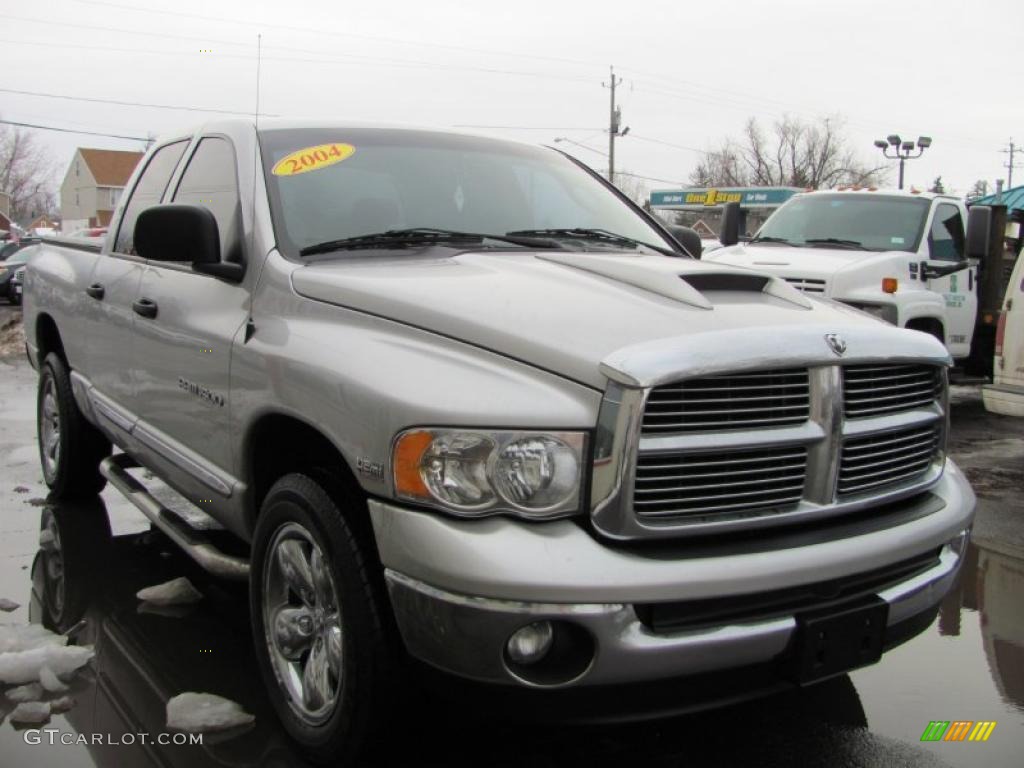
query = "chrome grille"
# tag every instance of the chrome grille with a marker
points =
(873, 390)
(895, 457)
(806, 284)
(736, 482)
(735, 401)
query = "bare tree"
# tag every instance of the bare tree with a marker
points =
(794, 154)
(979, 189)
(27, 174)
(633, 187)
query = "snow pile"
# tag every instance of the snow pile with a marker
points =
(201, 712)
(26, 650)
(8, 605)
(30, 692)
(24, 637)
(175, 592)
(49, 680)
(33, 712)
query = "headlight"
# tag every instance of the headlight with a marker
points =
(886, 312)
(475, 473)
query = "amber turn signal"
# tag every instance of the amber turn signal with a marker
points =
(890, 284)
(408, 455)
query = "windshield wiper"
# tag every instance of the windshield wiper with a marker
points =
(401, 238)
(770, 239)
(582, 233)
(857, 244)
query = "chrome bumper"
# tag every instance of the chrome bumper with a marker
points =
(466, 636)
(454, 587)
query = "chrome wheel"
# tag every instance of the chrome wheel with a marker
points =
(49, 429)
(302, 623)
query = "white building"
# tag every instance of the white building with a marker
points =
(93, 185)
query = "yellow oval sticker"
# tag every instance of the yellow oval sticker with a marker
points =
(312, 159)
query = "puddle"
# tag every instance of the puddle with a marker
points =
(969, 665)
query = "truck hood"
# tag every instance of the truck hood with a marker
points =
(785, 261)
(590, 316)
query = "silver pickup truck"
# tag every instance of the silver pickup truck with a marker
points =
(469, 412)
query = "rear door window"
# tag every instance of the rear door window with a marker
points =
(147, 192)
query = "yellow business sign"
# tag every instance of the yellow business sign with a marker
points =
(713, 197)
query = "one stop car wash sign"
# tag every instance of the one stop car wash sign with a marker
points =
(713, 197)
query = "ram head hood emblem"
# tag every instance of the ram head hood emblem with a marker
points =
(836, 343)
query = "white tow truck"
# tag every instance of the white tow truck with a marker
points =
(911, 259)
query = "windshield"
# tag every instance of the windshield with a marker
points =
(330, 184)
(871, 222)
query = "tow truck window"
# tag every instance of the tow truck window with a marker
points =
(946, 238)
(148, 191)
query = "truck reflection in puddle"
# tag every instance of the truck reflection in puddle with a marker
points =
(991, 583)
(84, 579)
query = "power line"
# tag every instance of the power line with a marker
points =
(668, 144)
(71, 130)
(332, 33)
(124, 103)
(331, 57)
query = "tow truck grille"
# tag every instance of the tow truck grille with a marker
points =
(873, 462)
(806, 284)
(735, 401)
(722, 483)
(875, 390)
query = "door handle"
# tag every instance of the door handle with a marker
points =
(96, 291)
(145, 307)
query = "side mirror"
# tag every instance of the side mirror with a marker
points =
(979, 231)
(177, 232)
(688, 238)
(729, 233)
(933, 272)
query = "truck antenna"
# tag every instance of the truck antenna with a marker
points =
(259, 58)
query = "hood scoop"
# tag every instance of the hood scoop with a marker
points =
(688, 285)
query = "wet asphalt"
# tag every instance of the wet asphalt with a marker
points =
(969, 665)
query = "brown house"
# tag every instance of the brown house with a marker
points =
(93, 185)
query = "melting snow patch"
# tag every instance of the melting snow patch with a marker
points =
(30, 692)
(24, 637)
(25, 666)
(175, 592)
(31, 712)
(50, 681)
(8, 605)
(63, 704)
(200, 712)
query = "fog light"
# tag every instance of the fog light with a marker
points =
(530, 644)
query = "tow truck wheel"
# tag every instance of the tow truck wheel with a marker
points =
(70, 448)
(316, 621)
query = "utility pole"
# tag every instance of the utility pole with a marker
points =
(614, 120)
(1009, 165)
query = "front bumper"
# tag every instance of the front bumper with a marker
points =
(460, 588)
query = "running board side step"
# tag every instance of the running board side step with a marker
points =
(115, 469)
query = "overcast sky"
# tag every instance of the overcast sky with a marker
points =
(693, 72)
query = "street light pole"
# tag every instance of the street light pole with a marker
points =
(902, 149)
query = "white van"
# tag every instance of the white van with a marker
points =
(1006, 394)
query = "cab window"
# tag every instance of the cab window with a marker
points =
(946, 238)
(210, 180)
(147, 192)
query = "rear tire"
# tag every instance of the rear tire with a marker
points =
(317, 621)
(70, 448)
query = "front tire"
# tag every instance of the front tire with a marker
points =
(316, 620)
(70, 448)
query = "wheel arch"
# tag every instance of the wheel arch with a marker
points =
(928, 324)
(48, 339)
(277, 444)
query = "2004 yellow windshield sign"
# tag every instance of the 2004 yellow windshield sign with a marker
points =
(312, 159)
